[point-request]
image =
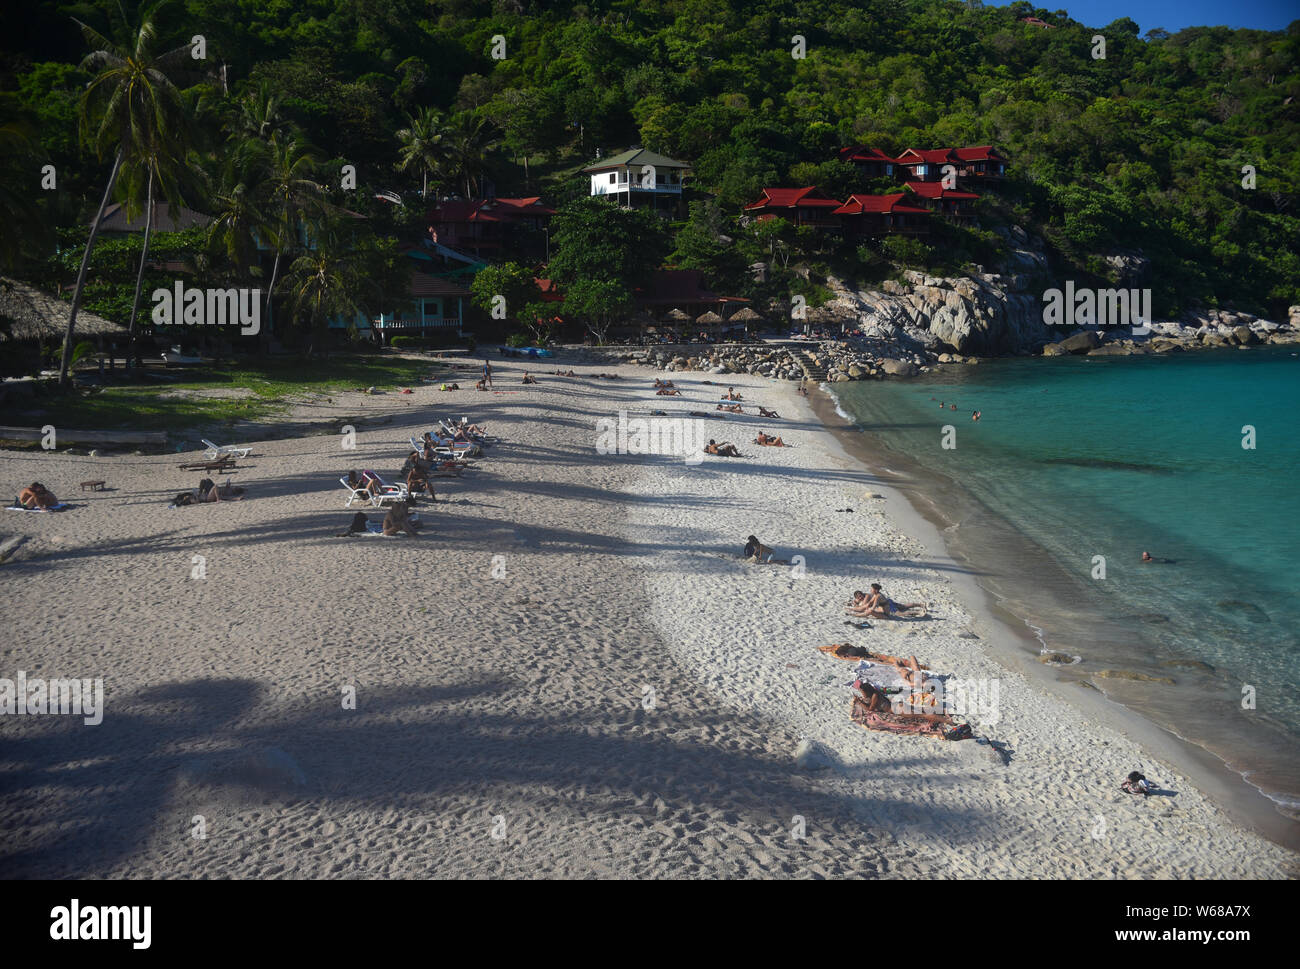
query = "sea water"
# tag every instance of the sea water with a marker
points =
(1080, 464)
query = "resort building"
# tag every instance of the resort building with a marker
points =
(640, 177)
(877, 215)
(487, 227)
(435, 309)
(945, 201)
(982, 161)
(800, 206)
(871, 162)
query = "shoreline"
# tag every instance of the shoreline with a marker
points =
(1241, 800)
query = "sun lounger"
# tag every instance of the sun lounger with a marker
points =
(363, 494)
(224, 463)
(396, 489)
(216, 451)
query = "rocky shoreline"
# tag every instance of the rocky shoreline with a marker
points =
(907, 328)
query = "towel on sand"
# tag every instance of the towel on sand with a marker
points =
(61, 506)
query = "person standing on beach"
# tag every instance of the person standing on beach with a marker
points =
(487, 373)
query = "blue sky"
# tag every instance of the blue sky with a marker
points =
(1174, 15)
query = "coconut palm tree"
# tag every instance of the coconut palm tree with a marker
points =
(468, 143)
(324, 280)
(293, 197)
(129, 107)
(422, 145)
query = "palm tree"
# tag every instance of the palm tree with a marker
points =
(465, 158)
(323, 282)
(129, 106)
(258, 113)
(422, 145)
(293, 197)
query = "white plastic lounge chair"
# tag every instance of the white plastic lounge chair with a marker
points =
(215, 451)
(398, 492)
(363, 495)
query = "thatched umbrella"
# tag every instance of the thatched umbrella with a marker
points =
(708, 319)
(676, 316)
(34, 315)
(744, 315)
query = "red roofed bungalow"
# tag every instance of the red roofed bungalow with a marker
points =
(1035, 22)
(484, 226)
(872, 162)
(982, 161)
(874, 215)
(945, 201)
(801, 206)
(926, 165)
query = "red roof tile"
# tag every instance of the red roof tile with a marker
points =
(789, 198)
(867, 204)
(935, 190)
(422, 284)
(979, 153)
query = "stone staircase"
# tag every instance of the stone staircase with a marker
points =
(811, 370)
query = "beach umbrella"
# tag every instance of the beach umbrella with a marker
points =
(708, 319)
(744, 315)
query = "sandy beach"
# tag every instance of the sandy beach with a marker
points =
(570, 673)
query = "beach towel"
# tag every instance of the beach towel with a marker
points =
(61, 506)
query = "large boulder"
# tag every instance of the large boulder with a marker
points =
(1080, 342)
(898, 368)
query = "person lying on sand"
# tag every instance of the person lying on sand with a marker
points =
(756, 551)
(730, 408)
(880, 605)
(608, 376)
(700, 413)
(450, 387)
(668, 392)
(36, 495)
(528, 379)
(208, 490)
(764, 412)
(1136, 783)
(663, 383)
(768, 441)
(397, 520)
(723, 450)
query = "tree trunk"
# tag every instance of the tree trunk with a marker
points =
(139, 276)
(266, 330)
(81, 274)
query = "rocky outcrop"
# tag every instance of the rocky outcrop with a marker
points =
(985, 314)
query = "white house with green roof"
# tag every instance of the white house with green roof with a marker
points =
(638, 176)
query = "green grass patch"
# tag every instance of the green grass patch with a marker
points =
(265, 388)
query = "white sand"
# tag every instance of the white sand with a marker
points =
(501, 724)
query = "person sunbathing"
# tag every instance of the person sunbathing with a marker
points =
(668, 392)
(732, 395)
(768, 441)
(880, 605)
(756, 551)
(36, 495)
(608, 376)
(764, 412)
(731, 408)
(397, 520)
(528, 379)
(417, 479)
(723, 450)
(210, 491)
(450, 387)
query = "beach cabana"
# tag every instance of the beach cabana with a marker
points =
(30, 317)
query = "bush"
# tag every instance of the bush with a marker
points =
(517, 340)
(406, 342)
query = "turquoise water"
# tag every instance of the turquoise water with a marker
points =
(1081, 457)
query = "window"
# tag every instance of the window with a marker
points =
(612, 176)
